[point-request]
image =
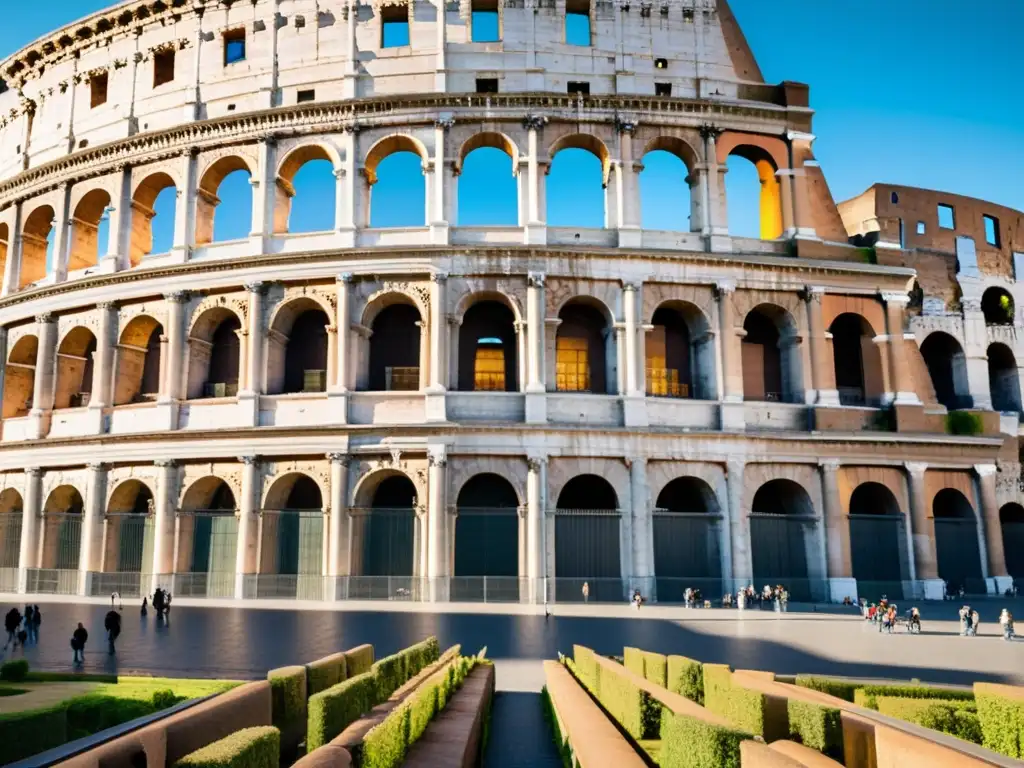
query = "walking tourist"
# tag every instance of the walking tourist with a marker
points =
(914, 624)
(112, 623)
(965, 620)
(637, 599)
(145, 604)
(11, 622)
(158, 602)
(27, 620)
(586, 592)
(975, 623)
(78, 640)
(37, 619)
(167, 605)
(1006, 622)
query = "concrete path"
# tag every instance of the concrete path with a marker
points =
(518, 710)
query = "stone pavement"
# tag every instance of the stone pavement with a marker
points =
(518, 710)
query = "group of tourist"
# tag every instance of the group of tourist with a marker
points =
(777, 597)
(22, 628)
(885, 616)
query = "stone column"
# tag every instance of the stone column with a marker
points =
(629, 194)
(899, 368)
(822, 383)
(739, 523)
(976, 351)
(922, 532)
(522, 357)
(442, 182)
(45, 376)
(338, 531)
(438, 326)
(716, 227)
(441, 28)
(535, 527)
(62, 235)
(103, 365)
(185, 210)
(163, 523)
(192, 102)
(784, 179)
(92, 527)
(263, 187)
(15, 243)
(248, 508)
(629, 292)
(119, 224)
(351, 75)
(28, 553)
(348, 208)
(3, 366)
(173, 360)
(836, 531)
(437, 554)
(731, 376)
(536, 228)
(992, 535)
(536, 392)
(643, 528)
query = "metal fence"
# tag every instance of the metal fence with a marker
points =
(276, 586)
(51, 581)
(10, 539)
(204, 584)
(8, 580)
(488, 589)
(212, 558)
(125, 584)
(62, 541)
(385, 539)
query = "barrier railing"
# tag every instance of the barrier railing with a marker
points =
(125, 584)
(380, 588)
(51, 581)
(204, 584)
(488, 589)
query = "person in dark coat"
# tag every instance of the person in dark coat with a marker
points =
(37, 619)
(11, 623)
(112, 623)
(158, 602)
(78, 641)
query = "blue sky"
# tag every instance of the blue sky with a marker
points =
(916, 92)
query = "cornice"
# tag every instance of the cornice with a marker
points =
(777, 270)
(326, 117)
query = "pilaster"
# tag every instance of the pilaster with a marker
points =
(246, 554)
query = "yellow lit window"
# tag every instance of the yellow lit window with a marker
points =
(572, 365)
(489, 369)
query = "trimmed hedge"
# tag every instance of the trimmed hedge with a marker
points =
(94, 712)
(634, 709)
(358, 660)
(563, 746)
(248, 748)
(841, 689)
(686, 677)
(23, 734)
(324, 673)
(650, 666)
(385, 744)
(953, 716)
(14, 671)
(393, 671)
(333, 710)
(689, 743)
(1001, 718)
(743, 708)
(864, 696)
(817, 727)
(586, 668)
(288, 695)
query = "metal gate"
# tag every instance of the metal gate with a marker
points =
(878, 549)
(486, 545)
(10, 550)
(291, 553)
(1013, 549)
(62, 541)
(384, 540)
(134, 536)
(587, 550)
(958, 555)
(686, 554)
(778, 550)
(212, 562)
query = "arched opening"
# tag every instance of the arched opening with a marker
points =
(396, 183)
(37, 245)
(20, 377)
(214, 354)
(10, 538)
(488, 357)
(306, 176)
(782, 524)
(137, 373)
(89, 233)
(665, 186)
(153, 210)
(395, 348)
(576, 183)
(771, 356)
(385, 540)
(62, 543)
(856, 360)
(753, 194)
(488, 182)
(1011, 519)
(997, 307)
(128, 541)
(878, 542)
(207, 540)
(957, 550)
(680, 353)
(486, 541)
(587, 540)
(686, 535)
(298, 349)
(947, 366)
(291, 556)
(584, 351)
(224, 202)
(1003, 379)
(74, 369)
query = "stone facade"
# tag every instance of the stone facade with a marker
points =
(243, 401)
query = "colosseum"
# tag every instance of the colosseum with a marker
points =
(446, 411)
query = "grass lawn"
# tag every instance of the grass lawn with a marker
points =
(11, 691)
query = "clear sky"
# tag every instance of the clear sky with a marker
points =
(917, 92)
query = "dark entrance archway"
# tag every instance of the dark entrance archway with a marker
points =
(587, 541)
(395, 349)
(488, 359)
(1003, 379)
(291, 539)
(956, 542)
(878, 542)
(581, 362)
(222, 377)
(781, 531)
(207, 548)
(384, 541)
(305, 358)
(686, 532)
(947, 367)
(1011, 518)
(486, 540)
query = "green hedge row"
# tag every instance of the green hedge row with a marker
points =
(743, 708)
(323, 673)
(650, 666)
(816, 727)
(393, 671)
(14, 671)
(23, 734)
(288, 708)
(634, 709)
(865, 695)
(586, 668)
(358, 660)
(563, 746)
(248, 748)
(1001, 718)
(956, 717)
(686, 677)
(690, 743)
(841, 689)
